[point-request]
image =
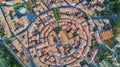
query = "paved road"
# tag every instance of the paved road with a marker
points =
(27, 54)
(12, 34)
(6, 21)
(27, 28)
(68, 6)
(13, 54)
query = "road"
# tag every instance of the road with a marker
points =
(13, 54)
(67, 6)
(29, 25)
(49, 9)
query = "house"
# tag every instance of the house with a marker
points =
(106, 34)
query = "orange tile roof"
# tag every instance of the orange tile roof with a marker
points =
(86, 51)
(62, 36)
(81, 20)
(107, 34)
(2, 0)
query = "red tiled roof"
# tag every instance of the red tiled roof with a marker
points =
(2, 0)
(107, 34)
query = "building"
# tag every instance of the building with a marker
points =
(106, 34)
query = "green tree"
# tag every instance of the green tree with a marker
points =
(115, 6)
(116, 26)
(2, 31)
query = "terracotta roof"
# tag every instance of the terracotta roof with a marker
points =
(2, 0)
(107, 34)
(86, 51)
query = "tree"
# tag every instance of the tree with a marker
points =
(85, 16)
(102, 54)
(57, 29)
(115, 6)
(75, 34)
(8, 58)
(2, 31)
(116, 26)
(8, 41)
(55, 39)
(56, 13)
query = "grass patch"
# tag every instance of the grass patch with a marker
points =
(111, 42)
(23, 4)
(102, 54)
(56, 13)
